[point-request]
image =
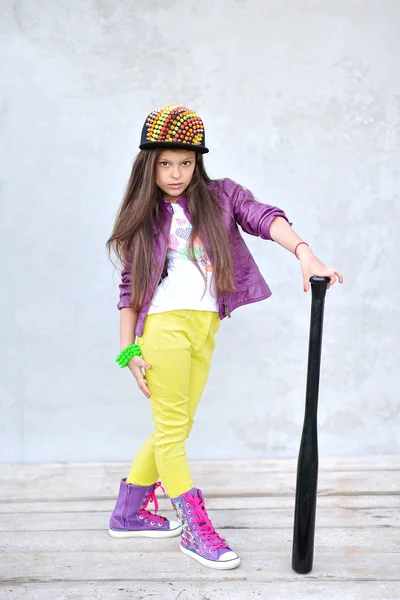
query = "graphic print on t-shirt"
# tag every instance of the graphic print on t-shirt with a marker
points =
(178, 239)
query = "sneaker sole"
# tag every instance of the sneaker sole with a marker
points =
(213, 564)
(166, 533)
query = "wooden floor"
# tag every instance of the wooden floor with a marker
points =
(54, 542)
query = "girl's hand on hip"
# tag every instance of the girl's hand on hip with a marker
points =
(136, 364)
(311, 265)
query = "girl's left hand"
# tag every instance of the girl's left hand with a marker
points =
(311, 265)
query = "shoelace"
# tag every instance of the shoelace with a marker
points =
(204, 527)
(151, 497)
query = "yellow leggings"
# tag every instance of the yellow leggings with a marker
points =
(179, 346)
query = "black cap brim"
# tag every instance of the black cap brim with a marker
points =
(180, 145)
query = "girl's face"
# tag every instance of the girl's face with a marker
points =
(174, 172)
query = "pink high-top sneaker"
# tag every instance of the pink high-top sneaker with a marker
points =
(199, 538)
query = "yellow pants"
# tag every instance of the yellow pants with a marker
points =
(179, 346)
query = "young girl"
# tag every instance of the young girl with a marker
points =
(185, 267)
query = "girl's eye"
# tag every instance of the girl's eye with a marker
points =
(186, 163)
(163, 163)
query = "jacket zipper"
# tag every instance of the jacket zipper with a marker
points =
(160, 273)
(126, 506)
(157, 281)
(226, 311)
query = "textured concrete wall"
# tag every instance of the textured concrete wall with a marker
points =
(301, 104)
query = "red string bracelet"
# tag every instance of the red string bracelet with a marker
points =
(298, 246)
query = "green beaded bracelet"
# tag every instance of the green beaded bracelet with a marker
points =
(127, 354)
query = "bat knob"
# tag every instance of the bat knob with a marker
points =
(316, 279)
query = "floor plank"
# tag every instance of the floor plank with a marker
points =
(52, 481)
(273, 518)
(173, 565)
(297, 589)
(214, 503)
(335, 540)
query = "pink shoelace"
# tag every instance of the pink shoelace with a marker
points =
(204, 528)
(151, 497)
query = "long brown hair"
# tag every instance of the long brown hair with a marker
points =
(132, 238)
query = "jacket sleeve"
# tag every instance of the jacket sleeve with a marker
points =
(125, 287)
(253, 216)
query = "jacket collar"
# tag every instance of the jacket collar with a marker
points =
(166, 208)
(164, 204)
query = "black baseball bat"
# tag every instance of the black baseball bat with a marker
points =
(307, 463)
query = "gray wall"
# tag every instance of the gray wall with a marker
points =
(301, 105)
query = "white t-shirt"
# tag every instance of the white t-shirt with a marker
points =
(184, 286)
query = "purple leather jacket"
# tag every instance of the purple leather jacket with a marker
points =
(239, 207)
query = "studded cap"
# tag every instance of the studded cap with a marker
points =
(173, 127)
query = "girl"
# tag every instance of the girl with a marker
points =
(185, 267)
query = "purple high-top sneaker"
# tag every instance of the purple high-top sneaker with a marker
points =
(199, 538)
(131, 519)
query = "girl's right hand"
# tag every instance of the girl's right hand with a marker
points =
(136, 364)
